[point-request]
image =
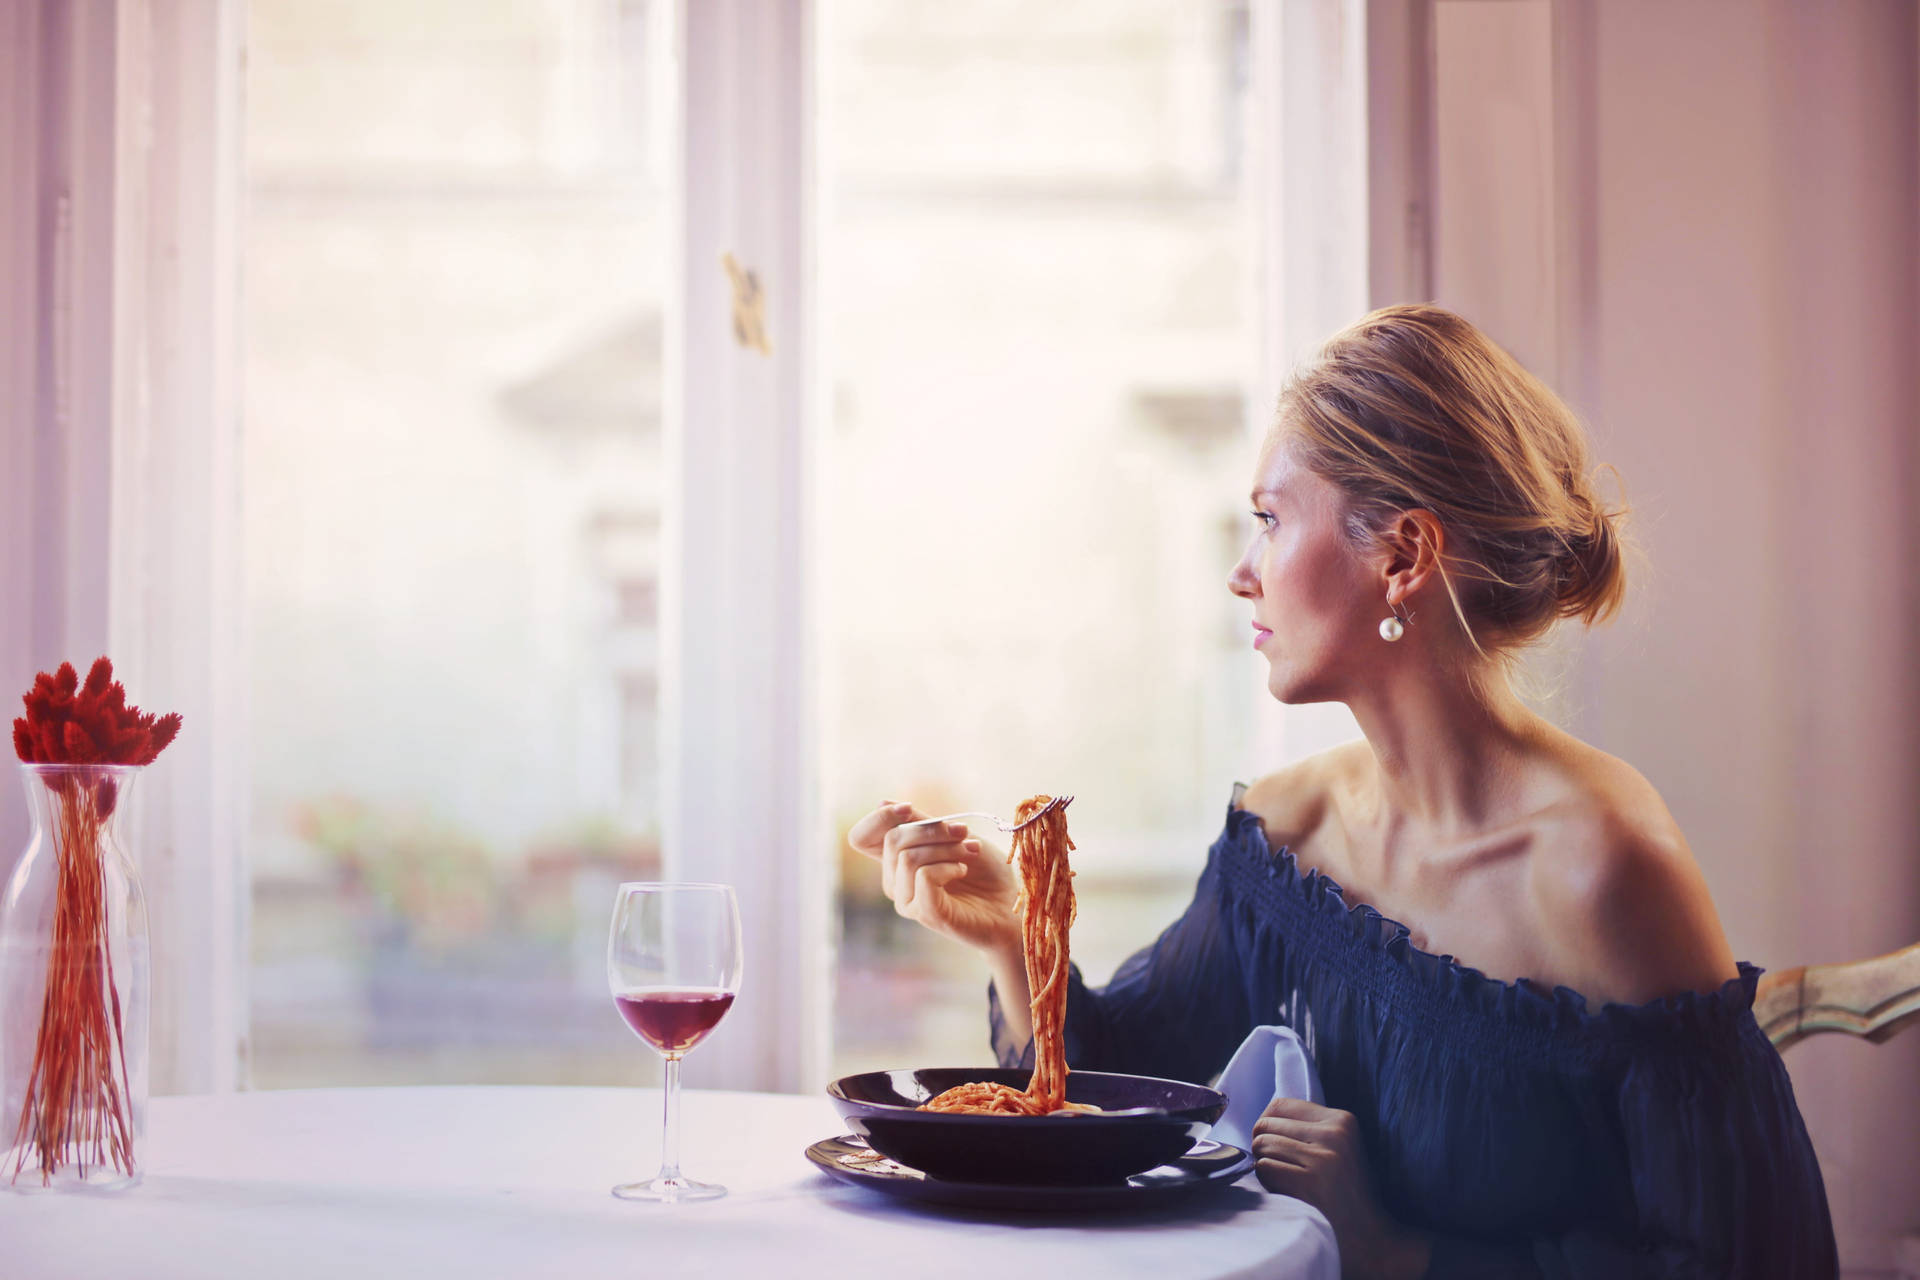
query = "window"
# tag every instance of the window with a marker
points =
(1039, 278)
(454, 254)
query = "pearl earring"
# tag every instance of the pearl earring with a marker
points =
(1391, 628)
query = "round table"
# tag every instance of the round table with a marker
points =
(482, 1182)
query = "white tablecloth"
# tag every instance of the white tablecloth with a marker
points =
(353, 1184)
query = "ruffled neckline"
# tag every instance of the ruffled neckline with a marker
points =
(1521, 1002)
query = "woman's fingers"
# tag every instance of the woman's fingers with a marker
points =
(1284, 1164)
(1300, 1111)
(877, 835)
(1284, 1179)
(914, 846)
(1287, 1150)
(910, 860)
(929, 880)
(914, 834)
(921, 860)
(869, 834)
(1301, 1119)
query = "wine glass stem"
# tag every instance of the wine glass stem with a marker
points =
(670, 1127)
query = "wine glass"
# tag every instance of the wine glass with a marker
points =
(673, 964)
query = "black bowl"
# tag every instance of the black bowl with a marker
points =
(1143, 1122)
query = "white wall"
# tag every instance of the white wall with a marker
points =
(1733, 299)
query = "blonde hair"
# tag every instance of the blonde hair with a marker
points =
(1413, 407)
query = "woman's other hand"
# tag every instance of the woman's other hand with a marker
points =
(1314, 1153)
(940, 878)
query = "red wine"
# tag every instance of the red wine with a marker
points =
(673, 1019)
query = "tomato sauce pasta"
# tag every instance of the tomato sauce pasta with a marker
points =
(1046, 907)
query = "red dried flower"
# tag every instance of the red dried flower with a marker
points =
(71, 723)
(79, 744)
(165, 729)
(99, 676)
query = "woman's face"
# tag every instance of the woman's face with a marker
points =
(1317, 603)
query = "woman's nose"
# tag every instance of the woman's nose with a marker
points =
(1243, 581)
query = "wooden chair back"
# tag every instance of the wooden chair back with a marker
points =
(1872, 999)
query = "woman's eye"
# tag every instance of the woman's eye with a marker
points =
(1266, 521)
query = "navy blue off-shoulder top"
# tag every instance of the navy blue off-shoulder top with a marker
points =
(1533, 1136)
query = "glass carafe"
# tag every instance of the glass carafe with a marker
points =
(73, 990)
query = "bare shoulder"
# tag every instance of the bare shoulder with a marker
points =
(1292, 803)
(1627, 912)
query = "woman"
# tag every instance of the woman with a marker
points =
(1593, 1097)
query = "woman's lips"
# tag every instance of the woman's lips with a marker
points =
(1260, 633)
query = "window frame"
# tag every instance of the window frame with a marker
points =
(120, 151)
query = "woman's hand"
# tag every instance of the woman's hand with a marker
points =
(940, 878)
(1314, 1153)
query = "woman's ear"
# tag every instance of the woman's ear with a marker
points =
(1415, 542)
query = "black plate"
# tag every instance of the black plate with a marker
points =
(1144, 1122)
(1208, 1164)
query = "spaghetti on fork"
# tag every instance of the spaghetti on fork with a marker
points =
(1046, 906)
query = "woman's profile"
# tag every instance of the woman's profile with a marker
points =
(1537, 1049)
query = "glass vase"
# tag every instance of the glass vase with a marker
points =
(74, 991)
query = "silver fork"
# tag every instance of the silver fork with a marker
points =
(1058, 802)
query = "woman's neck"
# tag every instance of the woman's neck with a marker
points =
(1449, 751)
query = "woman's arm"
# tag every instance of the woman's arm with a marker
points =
(1010, 988)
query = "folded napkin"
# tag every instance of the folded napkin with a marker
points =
(1270, 1063)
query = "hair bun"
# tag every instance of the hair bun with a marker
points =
(1593, 573)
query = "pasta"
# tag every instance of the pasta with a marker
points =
(1046, 907)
